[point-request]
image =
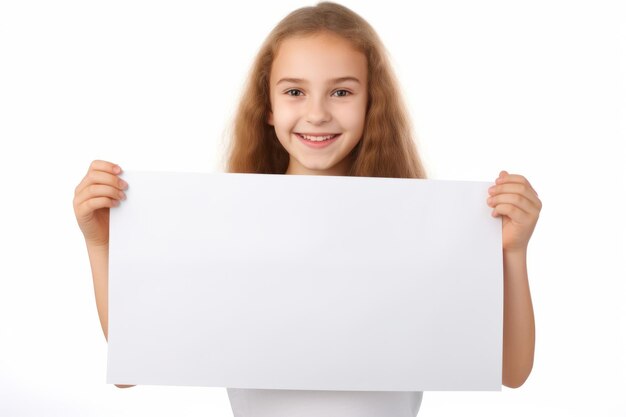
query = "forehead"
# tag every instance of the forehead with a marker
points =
(317, 58)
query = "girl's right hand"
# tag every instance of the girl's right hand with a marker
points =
(99, 190)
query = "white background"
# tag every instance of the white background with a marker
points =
(535, 87)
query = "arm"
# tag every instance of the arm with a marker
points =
(519, 322)
(99, 260)
(513, 198)
(99, 190)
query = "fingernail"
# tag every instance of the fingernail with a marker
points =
(123, 184)
(117, 169)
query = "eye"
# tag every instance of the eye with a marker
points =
(294, 92)
(342, 93)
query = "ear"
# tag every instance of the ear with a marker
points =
(270, 119)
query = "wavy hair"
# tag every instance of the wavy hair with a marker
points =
(386, 148)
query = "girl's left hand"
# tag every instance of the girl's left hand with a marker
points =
(513, 198)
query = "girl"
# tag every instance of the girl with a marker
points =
(321, 99)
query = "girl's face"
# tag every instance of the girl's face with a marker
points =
(318, 93)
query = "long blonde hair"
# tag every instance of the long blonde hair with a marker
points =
(386, 148)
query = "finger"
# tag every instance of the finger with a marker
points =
(517, 200)
(100, 177)
(515, 188)
(514, 213)
(98, 190)
(105, 166)
(511, 178)
(86, 208)
(506, 177)
(99, 165)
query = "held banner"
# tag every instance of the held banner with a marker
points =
(305, 282)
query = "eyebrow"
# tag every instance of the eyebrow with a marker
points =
(302, 81)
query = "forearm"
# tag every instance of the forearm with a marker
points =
(519, 322)
(99, 260)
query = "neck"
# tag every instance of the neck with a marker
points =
(295, 168)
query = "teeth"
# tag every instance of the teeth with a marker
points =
(318, 138)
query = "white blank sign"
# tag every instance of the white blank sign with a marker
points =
(305, 282)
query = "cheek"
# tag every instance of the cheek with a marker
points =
(353, 118)
(284, 115)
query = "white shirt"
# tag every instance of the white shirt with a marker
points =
(297, 403)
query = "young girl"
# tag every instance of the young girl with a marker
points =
(321, 99)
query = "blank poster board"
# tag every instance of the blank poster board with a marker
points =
(305, 282)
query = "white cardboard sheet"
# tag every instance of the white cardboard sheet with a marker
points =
(305, 282)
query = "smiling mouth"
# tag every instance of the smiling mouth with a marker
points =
(317, 138)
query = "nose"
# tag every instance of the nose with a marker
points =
(317, 111)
